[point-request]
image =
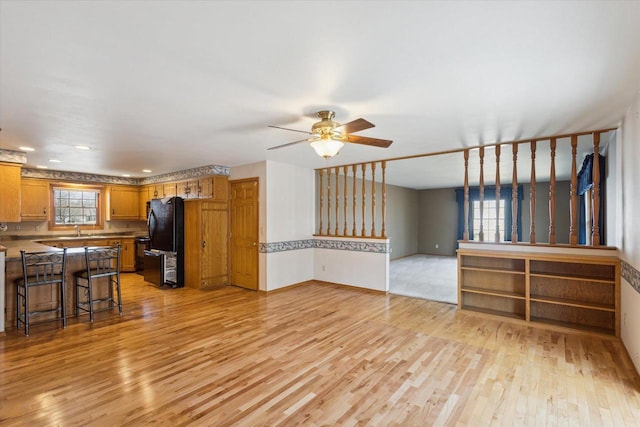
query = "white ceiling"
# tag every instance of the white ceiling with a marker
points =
(173, 85)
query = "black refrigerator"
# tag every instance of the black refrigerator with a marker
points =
(164, 261)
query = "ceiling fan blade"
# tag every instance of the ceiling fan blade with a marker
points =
(355, 126)
(293, 130)
(291, 143)
(374, 142)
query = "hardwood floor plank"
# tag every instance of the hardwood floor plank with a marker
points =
(317, 354)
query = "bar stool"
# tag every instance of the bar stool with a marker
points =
(39, 269)
(101, 262)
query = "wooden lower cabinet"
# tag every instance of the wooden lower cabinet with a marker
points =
(128, 255)
(574, 291)
(205, 243)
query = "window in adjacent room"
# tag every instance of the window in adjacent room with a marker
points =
(74, 205)
(490, 213)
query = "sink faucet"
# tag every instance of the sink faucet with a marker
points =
(77, 227)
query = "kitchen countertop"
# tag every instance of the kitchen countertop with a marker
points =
(13, 247)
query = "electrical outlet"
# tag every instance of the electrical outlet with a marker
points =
(324, 268)
(437, 246)
(37, 228)
(17, 228)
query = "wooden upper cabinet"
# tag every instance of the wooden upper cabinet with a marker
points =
(34, 199)
(221, 187)
(169, 189)
(188, 189)
(10, 192)
(123, 203)
(145, 193)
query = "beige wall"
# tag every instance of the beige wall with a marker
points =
(628, 154)
(437, 221)
(402, 221)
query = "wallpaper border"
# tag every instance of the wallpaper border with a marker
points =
(630, 274)
(343, 245)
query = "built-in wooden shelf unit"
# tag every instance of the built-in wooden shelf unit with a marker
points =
(569, 290)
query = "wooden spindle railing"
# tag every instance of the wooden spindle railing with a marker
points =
(481, 198)
(573, 194)
(328, 202)
(532, 195)
(514, 195)
(497, 236)
(373, 199)
(465, 234)
(344, 211)
(384, 198)
(364, 199)
(355, 198)
(552, 194)
(321, 174)
(337, 174)
(595, 191)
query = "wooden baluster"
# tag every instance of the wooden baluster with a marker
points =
(321, 173)
(346, 173)
(497, 237)
(552, 194)
(465, 234)
(337, 172)
(355, 171)
(364, 190)
(595, 191)
(481, 233)
(514, 196)
(384, 199)
(573, 193)
(329, 202)
(373, 199)
(532, 194)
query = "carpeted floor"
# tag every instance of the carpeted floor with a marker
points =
(429, 277)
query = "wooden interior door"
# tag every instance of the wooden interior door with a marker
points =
(244, 234)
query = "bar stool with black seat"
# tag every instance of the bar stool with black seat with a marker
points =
(41, 269)
(102, 263)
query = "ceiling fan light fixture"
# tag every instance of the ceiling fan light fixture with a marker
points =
(327, 148)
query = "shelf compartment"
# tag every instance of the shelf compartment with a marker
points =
(493, 263)
(581, 327)
(582, 318)
(490, 281)
(586, 292)
(574, 270)
(494, 304)
(484, 291)
(573, 303)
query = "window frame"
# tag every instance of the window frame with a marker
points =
(100, 189)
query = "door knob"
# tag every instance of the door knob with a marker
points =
(254, 244)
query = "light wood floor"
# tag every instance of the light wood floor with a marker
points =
(315, 354)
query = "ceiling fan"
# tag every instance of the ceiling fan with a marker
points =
(328, 137)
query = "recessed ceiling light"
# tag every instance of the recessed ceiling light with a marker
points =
(55, 161)
(126, 175)
(42, 167)
(146, 170)
(27, 149)
(81, 147)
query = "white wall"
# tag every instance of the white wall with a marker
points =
(629, 147)
(368, 270)
(290, 218)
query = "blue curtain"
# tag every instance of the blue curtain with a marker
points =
(585, 183)
(490, 194)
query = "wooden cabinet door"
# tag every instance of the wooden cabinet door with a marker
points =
(34, 199)
(206, 188)
(221, 188)
(144, 194)
(123, 203)
(169, 189)
(128, 255)
(10, 192)
(187, 189)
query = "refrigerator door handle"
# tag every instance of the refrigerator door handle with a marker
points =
(149, 226)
